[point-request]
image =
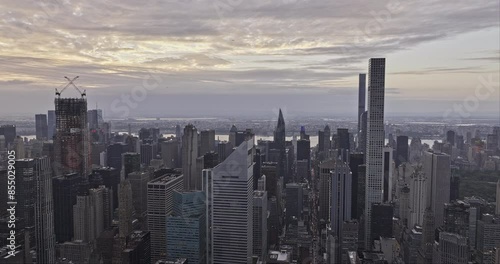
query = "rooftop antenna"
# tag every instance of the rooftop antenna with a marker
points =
(71, 82)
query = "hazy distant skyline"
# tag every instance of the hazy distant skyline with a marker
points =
(304, 55)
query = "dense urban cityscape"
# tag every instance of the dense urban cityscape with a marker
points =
(250, 132)
(84, 189)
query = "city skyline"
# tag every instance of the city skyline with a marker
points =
(229, 50)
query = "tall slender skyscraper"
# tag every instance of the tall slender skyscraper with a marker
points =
(375, 140)
(361, 98)
(192, 181)
(72, 146)
(402, 150)
(279, 141)
(230, 197)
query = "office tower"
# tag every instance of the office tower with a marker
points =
(114, 155)
(88, 214)
(270, 170)
(304, 151)
(327, 138)
(186, 232)
(428, 237)
(207, 141)
(130, 162)
(138, 250)
(453, 249)
(192, 181)
(44, 211)
(361, 195)
(65, 188)
(303, 134)
(148, 150)
(9, 132)
(340, 203)
(26, 197)
(224, 148)
(381, 221)
(19, 148)
(51, 124)
(170, 153)
(280, 141)
(325, 169)
(321, 140)
(355, 159)
(456, 218)
(72, 145)
(294, 206)
(41, 127)
(361, 99)
(497, 208)
(349, 239)
(437, 170)
(94, 117)
(139, 184)
(125, 208)
(160, 205)
(260, 215)
(343, 139)
(230, 193)
(450, 137)
(178, 132)
(109, 177)
(402, 150)
(375, 140)
(418, 196)
(388, 174)
(488, 237)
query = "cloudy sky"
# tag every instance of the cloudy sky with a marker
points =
(188, 57)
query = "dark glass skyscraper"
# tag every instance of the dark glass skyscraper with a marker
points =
(41, 127)
(401, 150)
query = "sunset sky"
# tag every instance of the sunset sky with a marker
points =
(304, 55)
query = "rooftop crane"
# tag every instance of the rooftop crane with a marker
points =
(71, 82)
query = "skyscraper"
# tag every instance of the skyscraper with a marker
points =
(207, 141)
(72, 146)
(362, 137)
(44, 212)
(325, 174)
(280, 141)
(375, 140)
(186, 232)
(437, 169)
(340, 204)
(388, 173)
(361, 98)
(294, 206)
(230, 194)
(41, 127)
(64, 195)
(170, 153)
(418, 196)
(453, 249)
(192, 181)
(9, 132)
(402, 150)
(260, 224)
(160, 205)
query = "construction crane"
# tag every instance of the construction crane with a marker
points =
(71, 82)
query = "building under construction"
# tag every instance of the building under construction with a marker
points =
(72, 146)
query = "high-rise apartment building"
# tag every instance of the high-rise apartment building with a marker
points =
(375, 140)
(260, 212)
(325, 169)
